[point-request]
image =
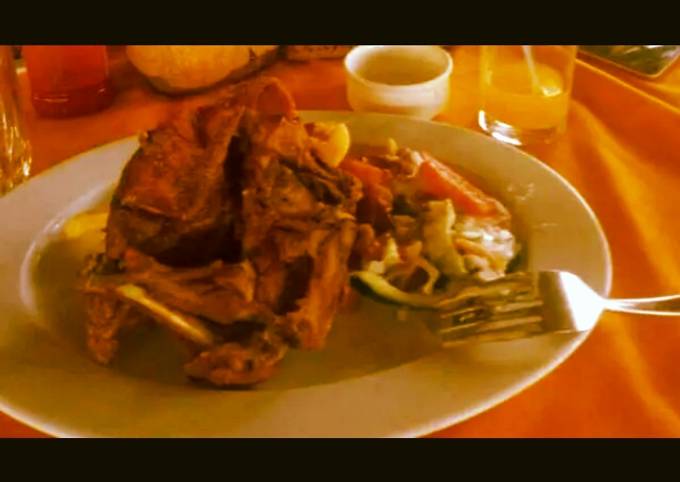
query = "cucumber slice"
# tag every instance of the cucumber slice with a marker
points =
(374, 285)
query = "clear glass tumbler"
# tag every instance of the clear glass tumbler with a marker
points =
(525, 91)
(68, 80)
(15, 150)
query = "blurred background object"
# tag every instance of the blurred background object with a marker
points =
(645, 60)
(68, 80)
(310, 52)
(175, 69)
(178, 69)
(15, 151)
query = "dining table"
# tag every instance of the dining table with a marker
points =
(620, 150)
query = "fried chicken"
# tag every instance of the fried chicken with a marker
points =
(226, 219)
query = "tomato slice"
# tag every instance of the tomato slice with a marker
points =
(376, 204)
(368, 174)
(440, 181)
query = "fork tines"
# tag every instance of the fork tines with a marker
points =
(502, 309)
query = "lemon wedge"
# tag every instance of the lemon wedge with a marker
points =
(392, 147)
(330, 141)
(84, 223)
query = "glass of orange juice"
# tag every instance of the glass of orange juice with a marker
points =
(525, 91)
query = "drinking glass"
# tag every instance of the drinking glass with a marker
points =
(68, 80)
(15, 151)
(525, 91)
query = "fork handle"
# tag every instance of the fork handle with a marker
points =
(658, 306)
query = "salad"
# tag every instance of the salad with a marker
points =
(424, 229)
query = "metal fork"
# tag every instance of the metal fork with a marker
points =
(530, 304)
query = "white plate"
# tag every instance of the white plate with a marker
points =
(377, 377)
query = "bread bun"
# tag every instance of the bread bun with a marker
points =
(184, 68)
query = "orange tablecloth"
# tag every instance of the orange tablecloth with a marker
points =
(621, 151)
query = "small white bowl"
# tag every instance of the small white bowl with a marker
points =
(410, 80)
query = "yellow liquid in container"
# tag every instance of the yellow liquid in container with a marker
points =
(510, 95)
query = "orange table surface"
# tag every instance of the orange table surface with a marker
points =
(621, 150)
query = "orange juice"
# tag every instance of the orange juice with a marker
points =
(525, 96)
(509, 96)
